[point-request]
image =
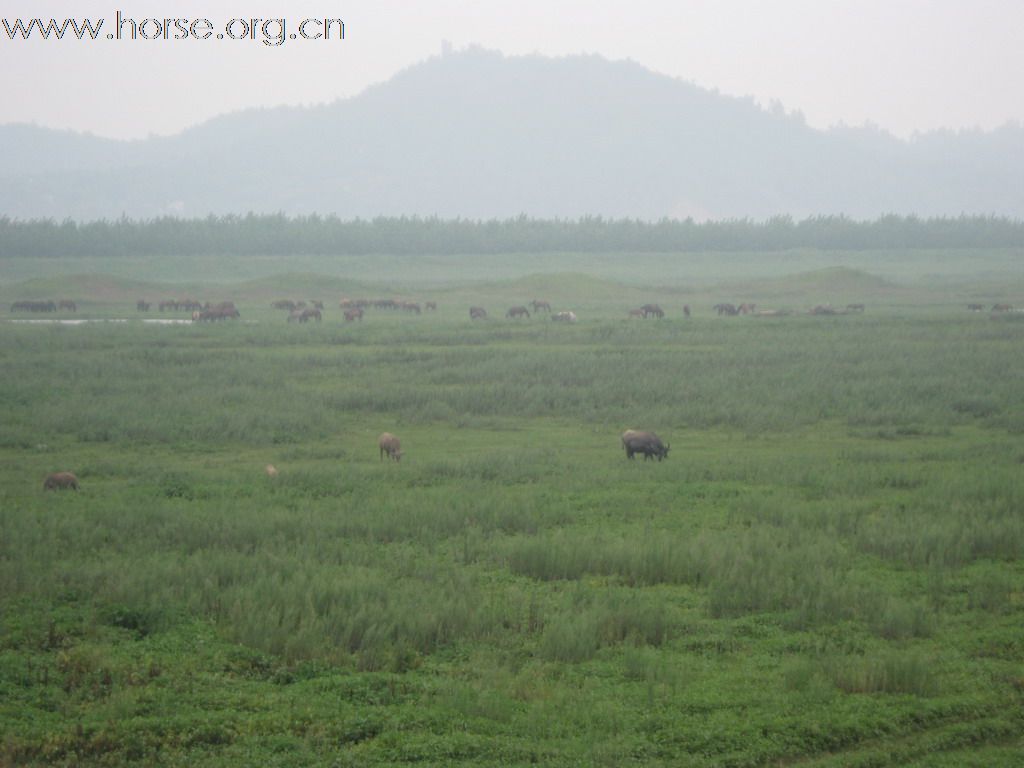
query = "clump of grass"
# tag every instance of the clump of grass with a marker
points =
(889, 672)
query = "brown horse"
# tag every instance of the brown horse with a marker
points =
(477, 313)
(515, 312)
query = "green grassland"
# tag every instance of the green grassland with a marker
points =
(825, 571)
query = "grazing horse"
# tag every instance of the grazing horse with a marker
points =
(68, 305)
(142, 305)
(637, 313)
(430, 306)
(854, 307)
(60, 481)
(355, 313)
(538, 305)
(515, 312)
(975, 307)
(726, 309)
(390, 445)
(477, 313)
(746, 308)
(284, 304)
(1002, 308)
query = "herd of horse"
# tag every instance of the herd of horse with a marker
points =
(301, 311)
(64, 305)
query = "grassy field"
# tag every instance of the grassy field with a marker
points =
(826, 570)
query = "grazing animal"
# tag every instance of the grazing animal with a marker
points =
(539, 304)
(823, 309)
(654, 310)
(60, 481)
(477, 313)
(430, 306)
(311, 314)
(686, 310)
(34, 306)
(1002, 308)
(217, 313)
(647, 443)
(975, 307)
(317, 304)
(390, 445)
(564, 317)
(637, 313)
(67, 304)
(271, 470)
(726, 309)
(353, 314)
(746, 308)
(854, 307)
(284, 304)
(142, 305)
(518, 312)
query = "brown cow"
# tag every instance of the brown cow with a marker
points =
(390, 445)
(60, 481)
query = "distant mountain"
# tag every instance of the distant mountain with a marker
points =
(480, 135)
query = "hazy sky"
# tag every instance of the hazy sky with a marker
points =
(905, 65)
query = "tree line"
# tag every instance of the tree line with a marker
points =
(277, 234)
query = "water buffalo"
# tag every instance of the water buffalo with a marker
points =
(652, 310)
(518, 312)
(390, 445)
(477, 313)
(647, 443)
(60, 481)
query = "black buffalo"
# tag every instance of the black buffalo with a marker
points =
(647, 443)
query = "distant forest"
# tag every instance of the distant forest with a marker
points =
(283, 235)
